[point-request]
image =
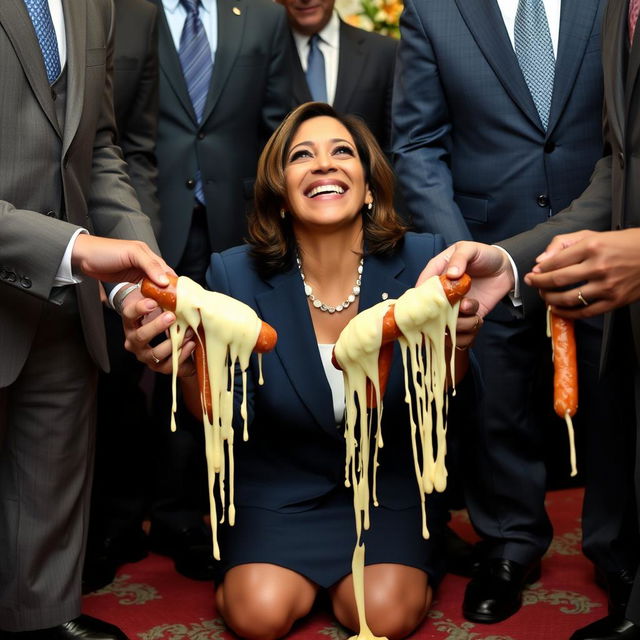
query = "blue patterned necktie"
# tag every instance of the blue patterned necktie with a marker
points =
(534, 51)
(41, 18)
(195, 59)
(316, 77)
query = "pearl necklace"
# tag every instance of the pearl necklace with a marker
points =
(318, 304)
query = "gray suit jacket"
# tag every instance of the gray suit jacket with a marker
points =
(365, 79)
(248, 97)
(55, 178)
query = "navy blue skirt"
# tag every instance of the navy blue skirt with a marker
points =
(317, 539)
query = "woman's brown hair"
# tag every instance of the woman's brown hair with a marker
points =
(271, 237)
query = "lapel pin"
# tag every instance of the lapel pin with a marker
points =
(385, 295)
(236, 10)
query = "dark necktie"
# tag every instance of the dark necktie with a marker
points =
(41, 18)
(316, 77)
(534, 51)
(634, 10)
(195, 59)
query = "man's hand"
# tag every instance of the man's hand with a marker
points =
(597, 272)
(490, 270)
(118, 260)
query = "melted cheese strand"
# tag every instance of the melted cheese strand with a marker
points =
(231, 329)
(423, 315)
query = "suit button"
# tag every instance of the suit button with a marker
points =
(549, 146)
(201, 135)
(25, 282)
(190, 183)
(542, 200)
(621, 159)
(51, 214)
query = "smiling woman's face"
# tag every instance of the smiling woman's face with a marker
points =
(324, 178)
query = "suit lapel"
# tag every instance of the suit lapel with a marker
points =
(576, 25)
(350, 65)
(75, 19)
(614, 47)
(301, 93)
(16, 23)
(231, 20)
(285, 307)
(170, 63)
(484, 21)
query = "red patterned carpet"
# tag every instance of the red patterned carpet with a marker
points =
(150, 601)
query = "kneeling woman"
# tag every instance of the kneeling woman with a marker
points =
(323, 235)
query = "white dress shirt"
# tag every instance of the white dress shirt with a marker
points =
(329, 44)
(508, 8)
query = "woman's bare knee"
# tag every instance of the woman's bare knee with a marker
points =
(261, 602)
(397, 599)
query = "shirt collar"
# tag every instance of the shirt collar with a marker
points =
(171, 6)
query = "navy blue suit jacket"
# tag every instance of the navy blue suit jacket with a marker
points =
(472, 157)
(295, 452)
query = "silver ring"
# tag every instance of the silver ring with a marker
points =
(155, 360)
(582, 299)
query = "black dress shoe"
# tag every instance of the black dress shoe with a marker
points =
(106, 555)
(461, 557)
(82, 627)
(191, 550)
(609, 628)
(618, 586)
(495, 591)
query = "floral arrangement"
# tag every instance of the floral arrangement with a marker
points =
(382, 16)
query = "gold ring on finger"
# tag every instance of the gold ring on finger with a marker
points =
(582, 299)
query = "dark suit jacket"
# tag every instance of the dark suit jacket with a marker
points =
(611, 200)
(135, 97)
(74, 174)
(470, 152)
(248, 97)
(295, 451)
(365, 78)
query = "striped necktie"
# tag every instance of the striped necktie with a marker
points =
(534, 51)
(316, 77)
(195, 60)
(634, 10)
(41, 18)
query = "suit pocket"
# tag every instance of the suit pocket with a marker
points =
(96, 57)
(472, 207)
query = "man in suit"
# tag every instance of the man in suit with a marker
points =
(358, 65)
(496, 127)
(586, 273)
(119, 500)
(61, 173)
(224, 88)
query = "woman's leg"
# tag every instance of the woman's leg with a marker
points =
(397, 599)
(262, 601)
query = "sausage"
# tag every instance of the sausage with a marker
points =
(166, 297)
(455, 290)
(565, 375)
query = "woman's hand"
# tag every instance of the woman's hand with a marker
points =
(469, 323)
(143, 321)
(596, 272)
